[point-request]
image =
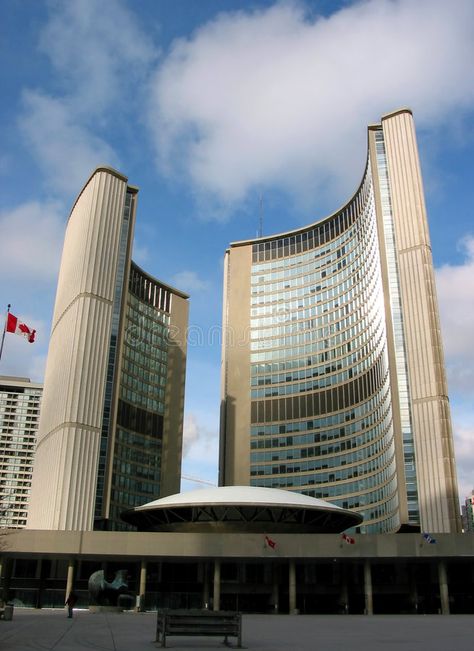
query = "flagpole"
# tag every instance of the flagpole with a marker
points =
(4, 330)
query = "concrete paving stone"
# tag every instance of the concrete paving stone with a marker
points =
(51, 630)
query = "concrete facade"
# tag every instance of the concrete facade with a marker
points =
(433, 437)
(113, 378)
(303, 573)
(20, 401)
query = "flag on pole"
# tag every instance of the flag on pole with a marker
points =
(271, 543)
(429, 539)
(17, 327)
(348, 539)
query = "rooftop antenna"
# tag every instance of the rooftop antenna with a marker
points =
(260, 219)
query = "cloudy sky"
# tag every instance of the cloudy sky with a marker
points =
(208, 105)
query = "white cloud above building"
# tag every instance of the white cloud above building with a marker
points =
(280, 96)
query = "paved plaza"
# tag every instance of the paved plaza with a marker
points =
(51, 630)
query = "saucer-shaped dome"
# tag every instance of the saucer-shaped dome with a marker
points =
(241, 509)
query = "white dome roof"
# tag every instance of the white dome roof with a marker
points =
(241, 508)
(241, 495)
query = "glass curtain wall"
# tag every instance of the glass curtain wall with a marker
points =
(320, 390)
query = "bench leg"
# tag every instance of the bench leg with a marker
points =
(239, 640)
(161, 637)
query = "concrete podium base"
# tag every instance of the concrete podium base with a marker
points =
(105, 609)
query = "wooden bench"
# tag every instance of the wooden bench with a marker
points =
(199, 622)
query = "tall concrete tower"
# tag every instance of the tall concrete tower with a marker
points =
(110, 432)
(333, 379)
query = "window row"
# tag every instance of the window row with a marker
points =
(374, 456)
(345, 290)
(378, 436)
(308, 371)
(341, 319)
(155, 376)
(354, 261)
(319, 235)
(302, 267)
(148, 311)
(326, 401)
(347, 437)
(341, 417)
(131, 458)
(317, 287)
(365, 483)
(327, 349)
(150, 404)
(321, 382)
(144, 388)
(151, 359)
(328, 337)
(148, 290)
(357, 346)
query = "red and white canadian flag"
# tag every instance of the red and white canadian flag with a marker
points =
(271, 543)
(348, 539)
(19, 328)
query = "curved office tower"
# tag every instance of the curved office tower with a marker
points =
(333, 376)
(110, 430)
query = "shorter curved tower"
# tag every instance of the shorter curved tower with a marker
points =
(110, 431)
(333, 379)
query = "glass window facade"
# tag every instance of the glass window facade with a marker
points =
(107, 417)
(321, 414)
(129, 470)
(137, 460)
(333, 378)
(19, 416)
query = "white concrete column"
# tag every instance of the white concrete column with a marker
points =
(142, 588)
(275, 595)
(292, 587)
(217, 585)
(369, 605)
(205, 586)
(38, 576)
(413, 590)
(344, 595)
(39, 567)
(5, 573)
(443, 588)
(70, 578)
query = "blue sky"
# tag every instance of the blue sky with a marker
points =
(206, 106)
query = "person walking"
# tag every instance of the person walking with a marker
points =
(70, 603)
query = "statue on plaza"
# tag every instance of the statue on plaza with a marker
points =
(105, 593)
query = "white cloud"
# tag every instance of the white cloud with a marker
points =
(278, 96)
(98, 51)
(31, 242)
(191, 433)
(141, 253)
(66, 151)
(101, 59)
(199, 441)
(189, 281)
(464, 449)
(455, 286)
